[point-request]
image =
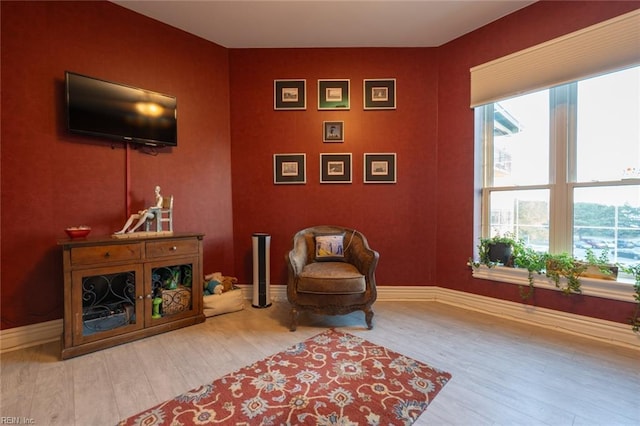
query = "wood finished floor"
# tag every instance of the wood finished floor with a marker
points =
(503, 373)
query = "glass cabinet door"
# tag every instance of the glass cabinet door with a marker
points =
(108, 301)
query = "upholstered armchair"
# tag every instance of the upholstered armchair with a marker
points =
(331, 272)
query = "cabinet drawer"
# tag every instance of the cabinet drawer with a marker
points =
(105, 254)
(171, 248)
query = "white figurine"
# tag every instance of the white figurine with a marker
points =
(142, 215)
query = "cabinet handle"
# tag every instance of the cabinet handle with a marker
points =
(107, 254)
(149, 296)
(140, 297)
(174, 248)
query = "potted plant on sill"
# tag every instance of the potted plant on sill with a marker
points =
(599, 266)
(507, 251)
(567, 266)
(554, 266)
(497, 250)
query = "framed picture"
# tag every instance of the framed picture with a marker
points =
(289, 168)
(380, 93)
(333, 131)
(335, 168)
(290, 94)
(380, 168)
(333, 94)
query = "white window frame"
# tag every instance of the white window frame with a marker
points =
(598, 49)
(561, 185)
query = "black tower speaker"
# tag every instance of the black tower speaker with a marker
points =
(261, 270)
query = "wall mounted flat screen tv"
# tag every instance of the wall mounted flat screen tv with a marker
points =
(120, 112)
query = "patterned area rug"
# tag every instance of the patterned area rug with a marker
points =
(333, 378)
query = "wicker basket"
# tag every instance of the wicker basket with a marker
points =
(176, 301)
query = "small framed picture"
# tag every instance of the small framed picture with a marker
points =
(380, 168)
(380, 93)
(335, 168)
(333, 94)
(333, 131)
(289, 169)
(289, 94)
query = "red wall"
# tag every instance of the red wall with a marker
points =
(422, 225)
(455, 163)
(398, 220)
(51, 180)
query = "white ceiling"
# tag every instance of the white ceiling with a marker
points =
(338, 23)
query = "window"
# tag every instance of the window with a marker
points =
(561, 166)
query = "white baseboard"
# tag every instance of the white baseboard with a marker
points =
(30, 335)
(593, 328)
(605, 331)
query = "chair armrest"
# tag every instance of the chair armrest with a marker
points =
(366, 261)
(297, 258)
(362, 256)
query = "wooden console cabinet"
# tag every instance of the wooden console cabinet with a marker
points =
(119, 290)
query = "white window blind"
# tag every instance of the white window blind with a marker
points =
(598, 49)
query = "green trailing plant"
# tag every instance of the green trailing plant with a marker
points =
(531, 260)
(601, 261)
(521, 257)
(485, 247)
(635, 271)
(553, 266)
(565, 265)
(604, 268)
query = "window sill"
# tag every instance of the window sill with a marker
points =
(617, 290)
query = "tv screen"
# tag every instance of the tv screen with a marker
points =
(120, 112)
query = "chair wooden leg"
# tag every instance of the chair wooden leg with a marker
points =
(368, 316)
(294, 319)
